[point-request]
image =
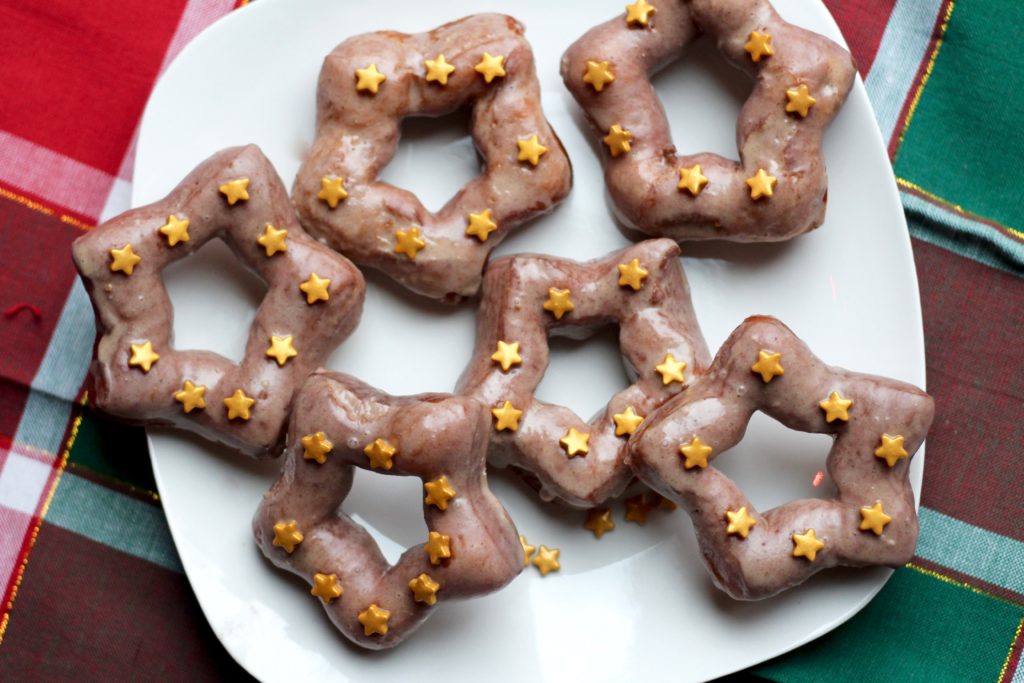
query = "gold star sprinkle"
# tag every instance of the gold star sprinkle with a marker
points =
(558, 302)
(273, 240)
(316, 447)
(438, 547)
(438, 71)
(124, 260)
(598, 75)
(315, 289)
(424, 589)
(671, 370)
(696, 453)
(637, 508)
(759, 45)
(664, 503)
(768, 365)
(761, 184)
(800, 101)
(439, 493)
(546, 560)
(599, 520)
(369, 79)
(490, 67)
(175, 229)
(507, 355)
(191, 396)
(575, 442)
(380, 453)
(739, 522)
(618, 140)
(531, 150)
(507, 417)
(639, 12)
(326, 587)
(874, 518)
(281, 349)
(891, 449)
(481, 225)
(287, 535)
(374, 620)
(409, 242)
(527, 550)
(627, 421)
(836, 407)
(235, 191)
(239, 405)
(692, 180)
(806, 545)
(332, 191)
(632, 274)
(143, 356)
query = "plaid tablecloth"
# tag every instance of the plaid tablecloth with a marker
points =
(90, 583)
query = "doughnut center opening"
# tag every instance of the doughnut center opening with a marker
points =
(435, 158)
(584, 374)
(215, 300)
(702, 94)
(773, 464)
(390, 508)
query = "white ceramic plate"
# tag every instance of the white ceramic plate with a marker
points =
(636, 604)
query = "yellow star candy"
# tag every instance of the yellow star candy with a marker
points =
(507, 417)
(438, 546)
(618, 140)
(836, 407)
(369, 79)
(891, 449)
(332, 191)
(191, 396)
(546, 560)
(637, 508)
(768, 365)
(761, 184)
(627, 421)
(806, 545)
(739, 522)
(315, 288)
(143, 356)
(287, 535)
(507, 355)
(424, 589)
(639, 13)
(374, 620)
(598, 75)
(759, 45)
(800, 101)
(599, 521)
(527, 550)
(439, 493)
(692, 180)
(281, 349)
(175, 229)
(380, 453)
(575, 442)
(481, 225)
(326, 587)
(273, 240)
(409, 242)
(490, 67)
(632, 274)
(239, 405)
(696, 453)
(438, 70)
(316, 447)
(124, 260)
(558, 302)
(671, 370)
(874, 518)
(235, 191)
(531, 150)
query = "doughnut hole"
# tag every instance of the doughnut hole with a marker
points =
(390, 508)
(584, 374)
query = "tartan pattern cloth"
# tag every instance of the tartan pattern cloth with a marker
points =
(90, 585)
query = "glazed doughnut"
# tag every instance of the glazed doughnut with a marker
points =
(472, 546)
(878, 424)
(778, 189)
(368, 84)
(313, 301)
(526, 298)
